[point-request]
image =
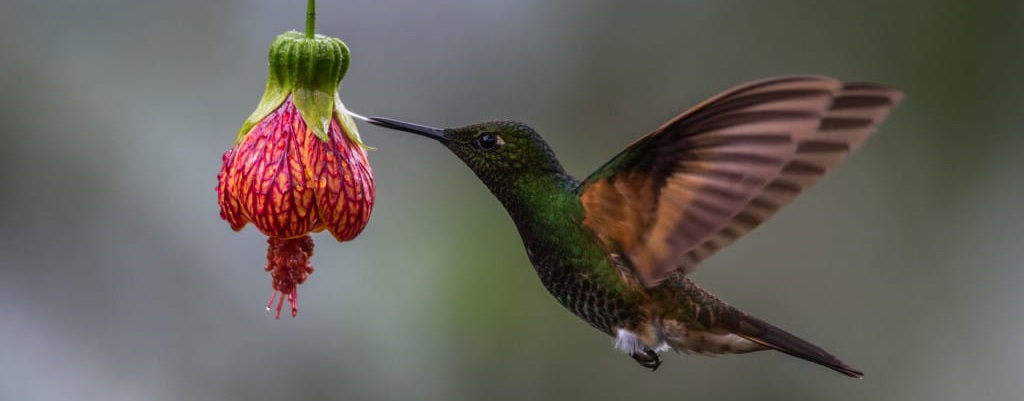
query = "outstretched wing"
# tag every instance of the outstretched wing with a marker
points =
(719, 170)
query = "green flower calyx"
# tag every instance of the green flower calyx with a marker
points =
(309, 70)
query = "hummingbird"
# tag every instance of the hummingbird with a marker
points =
(616, 248)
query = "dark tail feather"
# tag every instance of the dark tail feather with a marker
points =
(761, 332)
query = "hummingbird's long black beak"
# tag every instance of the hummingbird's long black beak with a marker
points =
(423, 130)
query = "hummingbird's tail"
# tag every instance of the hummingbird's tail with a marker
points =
(763, 333)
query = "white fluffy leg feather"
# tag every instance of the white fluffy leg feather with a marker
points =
(628, 342)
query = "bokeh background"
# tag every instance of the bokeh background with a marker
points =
(120, 281)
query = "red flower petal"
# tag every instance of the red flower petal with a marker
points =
(288, 182)
(345, 188)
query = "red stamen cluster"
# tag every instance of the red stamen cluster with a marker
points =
(289, 266)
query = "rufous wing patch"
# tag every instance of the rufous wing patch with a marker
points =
(853, 116)
(713, 173)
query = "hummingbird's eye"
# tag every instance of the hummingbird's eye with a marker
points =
(489, 141)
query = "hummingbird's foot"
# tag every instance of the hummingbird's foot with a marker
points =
(648, 359)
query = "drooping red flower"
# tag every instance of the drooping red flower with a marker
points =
(298, 166)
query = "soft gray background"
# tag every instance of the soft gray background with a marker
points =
(120, 281)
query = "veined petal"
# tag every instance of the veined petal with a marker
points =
(230, 207)
(344, 183)
(266, 182)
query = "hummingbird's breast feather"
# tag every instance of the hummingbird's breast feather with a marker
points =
(602, 300)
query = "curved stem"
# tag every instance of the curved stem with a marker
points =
(310, 19)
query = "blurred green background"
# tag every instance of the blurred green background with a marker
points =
(120, 281)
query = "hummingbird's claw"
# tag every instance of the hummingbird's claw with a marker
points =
(648, 359)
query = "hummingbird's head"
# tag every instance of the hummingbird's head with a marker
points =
(499, 152)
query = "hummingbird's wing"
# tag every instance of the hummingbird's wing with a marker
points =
(717, 171)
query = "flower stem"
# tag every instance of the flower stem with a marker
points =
(310, 19)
